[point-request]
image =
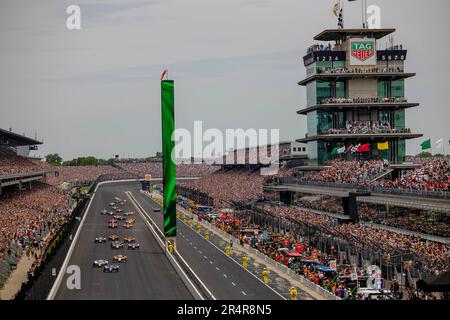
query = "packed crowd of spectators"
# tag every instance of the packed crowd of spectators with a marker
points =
(352, 172)
(74, 174)
(365, 127)
(13, 164)
(360, 70)
(28, 216)
(431, 176)
(319, 47)
(363, 100)
(155, 169)
(223, 186)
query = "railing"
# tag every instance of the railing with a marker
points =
(375, 189)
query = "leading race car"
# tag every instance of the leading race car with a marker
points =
(120, 258)
(100, 239)
(111, 268)
(133, 246)
(112, 225)
(100, 263)
(116, 245)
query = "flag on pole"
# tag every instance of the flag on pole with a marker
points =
(341, 150)
(383, 145)
(426, 144)
(439, 142)
(336, 6)
(341, 18)
(355, 148)
(363, 148)
(335, 151)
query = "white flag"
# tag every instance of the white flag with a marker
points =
(341, 149)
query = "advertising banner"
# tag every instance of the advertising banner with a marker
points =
(362, 52)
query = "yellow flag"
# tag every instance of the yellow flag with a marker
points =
(336, 6)
(383, 145)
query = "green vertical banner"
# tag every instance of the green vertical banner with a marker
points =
(169, 170)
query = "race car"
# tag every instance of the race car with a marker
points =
(130, 213)
(157, 210)
(129, 239)
(100, 239)
(119, 210)
(100, 263)
(114, 207)
(130, 221)
(133, 246)
(111, 268)
(103, 212)
(112, 204)
(112, 225)
(120, 258)
(128, 226)
(116, 245)
(117, 217)
(110, 213)
(113, 237)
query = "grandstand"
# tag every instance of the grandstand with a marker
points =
(16, 169)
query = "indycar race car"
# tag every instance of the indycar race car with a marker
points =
(129, 239)
(111, 268)
(103, 212)
(133, 246)
(116, 245)
(100, 239)
(130, 213)
(112, 225)
(120, 258)
(117, 217)
(119, 210)
(113, 237)
(112, 204)
(100, 263)
(128, 226)
(130, 221)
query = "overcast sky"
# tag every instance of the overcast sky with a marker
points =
(236, 64)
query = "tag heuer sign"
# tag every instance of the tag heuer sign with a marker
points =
(362, 52)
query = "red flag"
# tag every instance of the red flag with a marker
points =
(364, 147)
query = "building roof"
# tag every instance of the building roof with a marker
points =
(341, 76)
(336, 34)
(13, 139)
(362, 137)
(355, 106)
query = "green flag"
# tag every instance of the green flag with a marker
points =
(169, 170)
(426, 144)
(335, 151)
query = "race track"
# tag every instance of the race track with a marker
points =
(147, 275)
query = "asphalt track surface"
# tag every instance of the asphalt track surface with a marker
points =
(221, 275)
(146, 275)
